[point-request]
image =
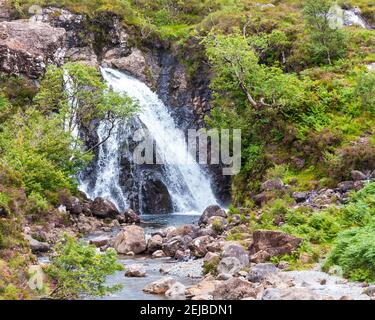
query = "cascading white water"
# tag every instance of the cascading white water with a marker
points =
(353, 17)
(187, 184)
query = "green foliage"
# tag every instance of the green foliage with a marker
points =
(327, 42)
(365, 91)
(76, 93)
(354, 252)
(78, 270)
(40, 152)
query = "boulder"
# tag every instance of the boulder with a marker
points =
(260, 271)
(103, 208)
(212, 211)
(205, 287)
(262, 198)
(229, 265)
(183, 255)
(130, 239)
(84, 55)
(176, 291)
(101, 240)
(135, 271)
(234, 289)
(131, 217)
(160, 286)
(300, 196)
(154, 243)
(289, 294)
(27, 47)
(135, 63)
(5, 13)
(173, 245)
(198, 246)
(216, 246)
(184, 230)
(269, 243)
(358, 175)
(237, 251)
(211, 258)
(273, 184)
(206, 232)
(37, 246)
(73, 205)
(345, 186)
(158, 254)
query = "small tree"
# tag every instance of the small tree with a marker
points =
(365, 91)
(77, 93)
(327, 42)
(78, 270)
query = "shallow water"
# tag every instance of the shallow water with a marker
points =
(188, 273)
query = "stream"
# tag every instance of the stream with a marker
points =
(187, 273)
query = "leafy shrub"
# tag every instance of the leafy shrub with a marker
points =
(36, 203)
(365, 91)
(354, 252)
(359, 155)
(78, 270)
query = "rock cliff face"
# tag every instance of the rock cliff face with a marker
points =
(27, 47)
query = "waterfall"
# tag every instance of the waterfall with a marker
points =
(187, 184)
(353, 17)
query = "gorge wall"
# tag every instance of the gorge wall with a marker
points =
(57, 36)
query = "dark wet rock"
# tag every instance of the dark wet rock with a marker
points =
(27, 47)
(130, 239)
(131, 217)
(268, 243)
(72, 204)
(259, 272)
(234, 289)
(103, 208)
(300, 196)
(156, 198)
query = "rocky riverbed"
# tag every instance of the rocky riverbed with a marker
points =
(195, 262)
